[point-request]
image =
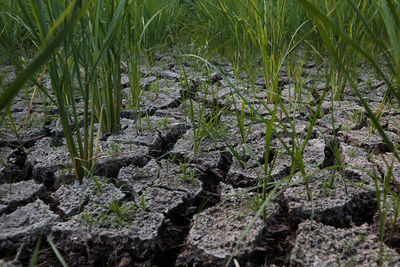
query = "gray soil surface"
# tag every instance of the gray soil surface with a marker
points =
(181, 185)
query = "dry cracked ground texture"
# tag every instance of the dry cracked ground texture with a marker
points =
(151, 211)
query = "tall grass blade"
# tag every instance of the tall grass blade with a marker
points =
(43, 55)
(57, 252)
(33, 261)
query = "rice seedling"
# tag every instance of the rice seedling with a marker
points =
(187, 174)
(103, 53)
(16, 37)
(34, 16)
(350, 23)
(149, 26)
(33, 261)
(222, 25)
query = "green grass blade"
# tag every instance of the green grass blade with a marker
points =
(57, 252)
(43, 55)
(108, 38)
(33, 261)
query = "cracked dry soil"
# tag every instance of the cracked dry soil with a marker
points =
(143, 209)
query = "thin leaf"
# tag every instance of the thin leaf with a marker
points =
(43, 55)
(58, 254)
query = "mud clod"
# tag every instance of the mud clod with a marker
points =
(216, 232)
(18, 194)
(24, 225)
(321, 245)
(333, 205)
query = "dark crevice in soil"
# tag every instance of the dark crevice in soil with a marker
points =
(149, 112)
(101, 261)
(14, 206)
(392, 237)
(214, 104)
(225, 162)
(132, 115)
(163, 143)
(329, 153)
(190, 88)
(361, 124)
(261, 160)
(53, 205)
(277, 239)
(381, 147)
(176, 227)
(13, 174)
(376, 149)
(9, 253)
(15, 170)
(173, 104)
(352, 176)
(210, 195)
(171, 235)
(18, 157)
(48, 179)
(285, 172)
(111, 168)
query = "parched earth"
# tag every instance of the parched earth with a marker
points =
(170, 189)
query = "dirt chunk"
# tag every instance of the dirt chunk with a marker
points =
(18, 194)
(322, 245)
(85, 244)
(24, 225)
(216, 232)
(332, 204)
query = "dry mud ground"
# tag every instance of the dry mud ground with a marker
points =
(142, 208)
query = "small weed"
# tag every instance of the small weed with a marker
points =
(98, 184)
(345, 128)
(115, 207)
(143, 203)
(123, 212)
(113, 148)
(164, 122)
(326, 188)
(188, 174)
(12, 160)
(240, 216)
(352, 152)
(148, 123)
(87, 218)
